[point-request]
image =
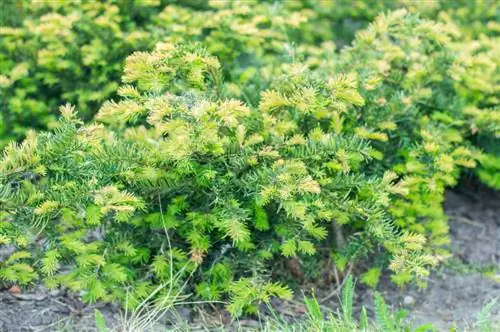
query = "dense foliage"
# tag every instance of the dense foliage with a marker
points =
(60, 53)
(237, 142)
(54, 52)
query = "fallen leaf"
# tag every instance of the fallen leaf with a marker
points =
(14, 289)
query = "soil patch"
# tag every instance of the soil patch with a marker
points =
(39, 309)
(458, 291)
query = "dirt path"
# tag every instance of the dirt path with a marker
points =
(455, 293)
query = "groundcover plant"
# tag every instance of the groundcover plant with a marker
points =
(237, 138)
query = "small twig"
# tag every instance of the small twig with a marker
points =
(45, 327)
(339, 287)
(29, 297)
(71, 308)
(468, 221)
(339, 236)
(336, 275)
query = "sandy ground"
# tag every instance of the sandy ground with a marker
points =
(455, 293)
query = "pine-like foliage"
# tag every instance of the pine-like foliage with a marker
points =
(64, 51)
(242, 139)
(405, 77)
(225, 180)
(53, 52)
(412, 114)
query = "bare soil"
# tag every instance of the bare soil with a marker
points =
(458, 291)
(455, 294)
(41, 310)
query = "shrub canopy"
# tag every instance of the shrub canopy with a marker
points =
(238, 141)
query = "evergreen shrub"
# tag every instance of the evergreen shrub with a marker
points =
(229, 149)
(227, 181)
